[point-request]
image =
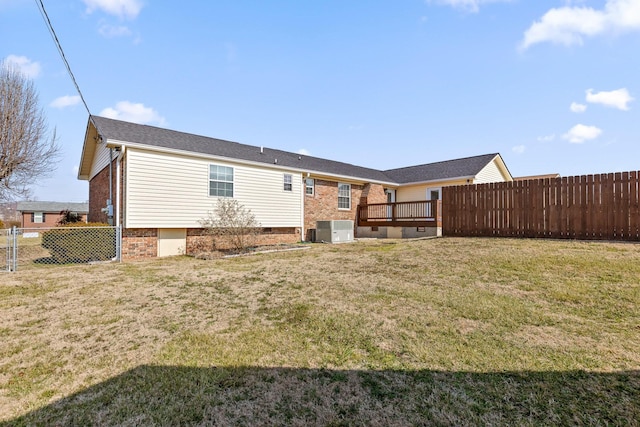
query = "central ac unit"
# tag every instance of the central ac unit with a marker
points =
(334, 231)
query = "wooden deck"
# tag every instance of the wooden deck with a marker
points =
(425, 213)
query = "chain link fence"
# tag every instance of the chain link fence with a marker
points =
(24, 247)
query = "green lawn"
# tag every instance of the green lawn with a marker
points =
(425, 332)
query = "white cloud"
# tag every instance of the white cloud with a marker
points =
(136, 113)
(121, 8)
(578, 108)
(570, 24)
(304, 152)
(467, 5)
(547, 138)
(29, 68)
(616, 98)
(111, 31)
(519, 149)
(581, 133)
(65, 101)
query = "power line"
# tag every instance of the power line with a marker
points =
(47, 21)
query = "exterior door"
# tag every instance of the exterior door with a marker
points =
(391, 198)
(433, 193)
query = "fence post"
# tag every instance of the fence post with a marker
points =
(14, 249)
(7, 256)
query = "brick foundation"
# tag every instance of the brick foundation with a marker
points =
(199, 240)
(139, 243)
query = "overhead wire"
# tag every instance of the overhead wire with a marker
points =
(54, 36)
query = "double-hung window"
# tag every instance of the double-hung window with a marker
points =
(37, 217)
(288, 183)
(344, 196)
(309, 184)
(220, 181)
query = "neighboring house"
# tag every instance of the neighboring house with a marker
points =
(162, 183)
(530, 177)
(47, 214)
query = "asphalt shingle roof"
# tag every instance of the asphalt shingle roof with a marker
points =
(165, 138)
(30, 206)
(468, 166)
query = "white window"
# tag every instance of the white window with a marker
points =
(38, 217)
(220, 181)
(288, 186)
(344, 196)
(309, 185)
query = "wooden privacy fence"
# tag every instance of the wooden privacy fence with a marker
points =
(580, 207)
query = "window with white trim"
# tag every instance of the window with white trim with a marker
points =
(309, 186)
(288, 182)
(344, 196)
(220, 181)
(37, 217)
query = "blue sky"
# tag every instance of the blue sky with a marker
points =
(552, 85)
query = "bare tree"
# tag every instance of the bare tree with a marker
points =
(232, 223)
(26, 152)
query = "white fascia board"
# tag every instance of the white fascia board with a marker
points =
(115, 143)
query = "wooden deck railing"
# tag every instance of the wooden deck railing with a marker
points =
(425, 213)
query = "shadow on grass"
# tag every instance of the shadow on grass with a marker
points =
(168, 395)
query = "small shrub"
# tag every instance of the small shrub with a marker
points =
(80, 242)
(11, 224)
(233, 225)
(68, 217)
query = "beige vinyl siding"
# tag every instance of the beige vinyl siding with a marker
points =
(490, 173)
(100, 159)
(419, 192)
(172, 191)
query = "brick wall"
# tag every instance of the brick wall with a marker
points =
(139, 243)
(323, 204)
(50, 220)
(99, 193)
(199, 240)
(373, 193)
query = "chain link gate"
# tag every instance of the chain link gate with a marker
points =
(10, 249)
(61, 246)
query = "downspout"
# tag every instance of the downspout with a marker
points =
(302, 201)
(110, 200)
(118, 188)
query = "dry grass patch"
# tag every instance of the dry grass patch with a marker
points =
(445, 331)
